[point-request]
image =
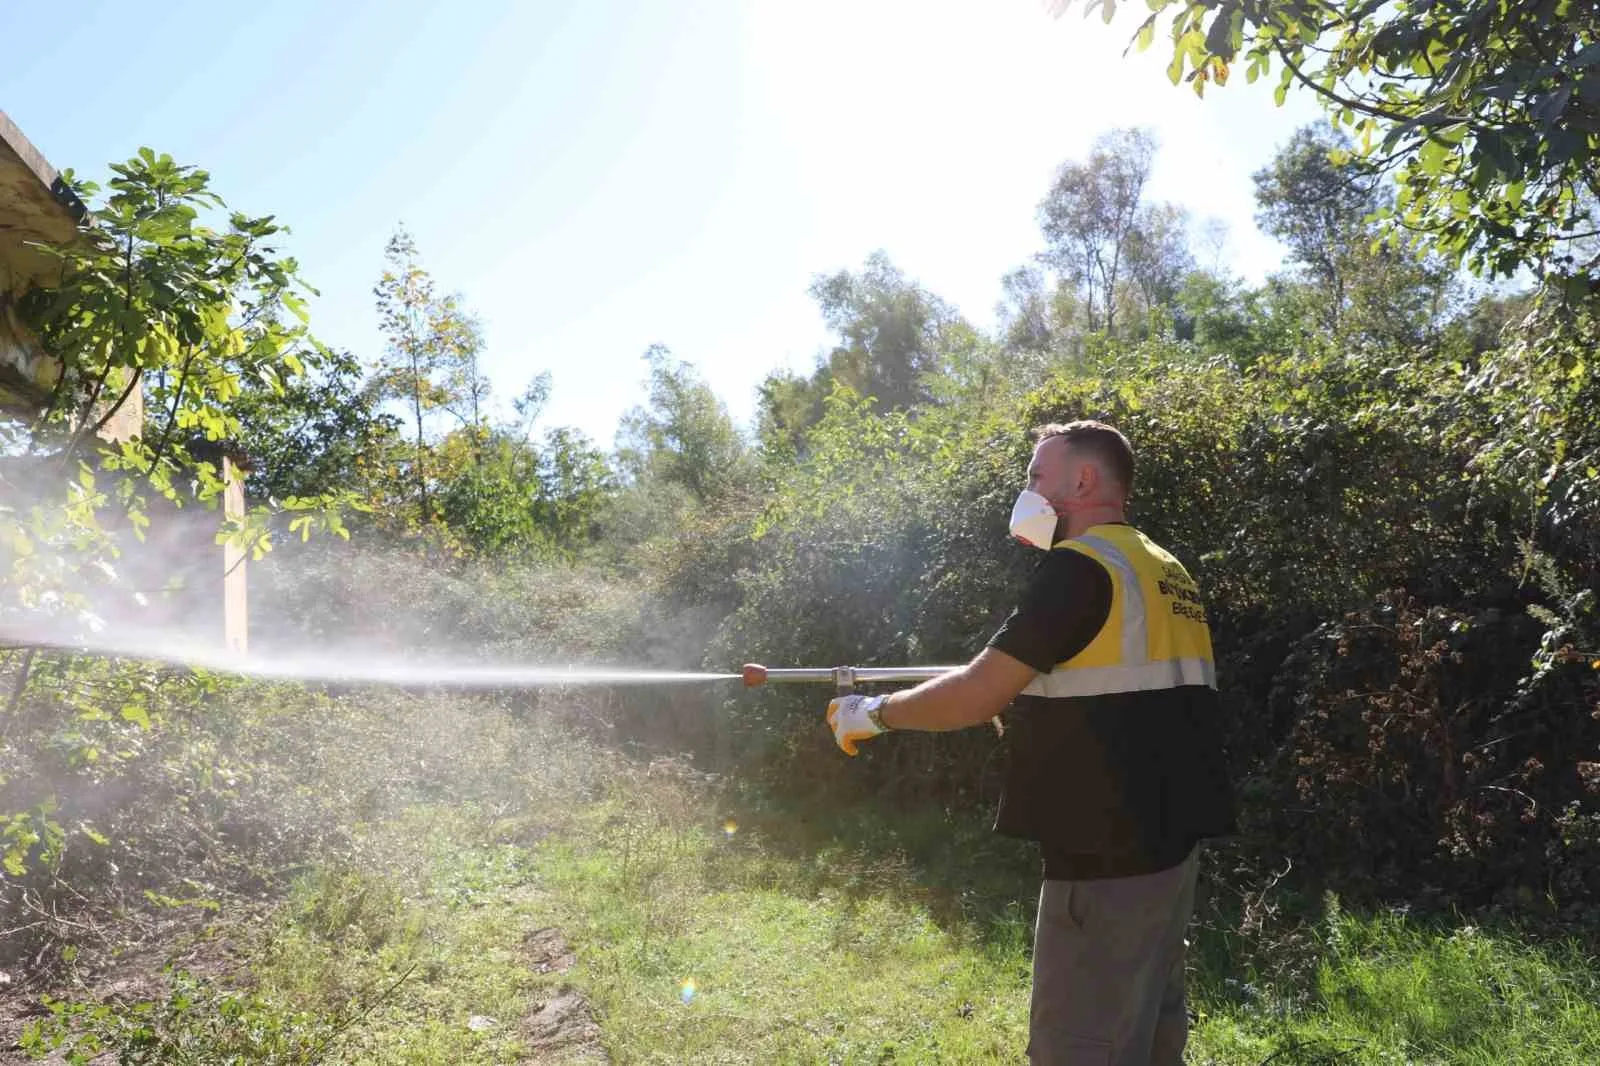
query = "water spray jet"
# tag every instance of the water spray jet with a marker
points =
(178, 651)
(350, 667)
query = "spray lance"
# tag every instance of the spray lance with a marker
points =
(846, 678)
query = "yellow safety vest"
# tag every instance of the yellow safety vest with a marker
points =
(1155, 637)
(1116, 753)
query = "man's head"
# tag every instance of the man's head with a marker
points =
(1082, 468)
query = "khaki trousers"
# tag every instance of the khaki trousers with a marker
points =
(1108, 958)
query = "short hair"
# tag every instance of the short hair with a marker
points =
(1105, 444)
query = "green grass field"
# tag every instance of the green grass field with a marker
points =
(711, 925)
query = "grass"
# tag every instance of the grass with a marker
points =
(713, 924)
(831, 954)
(706, 946)
(418, 961)
(1388, 989)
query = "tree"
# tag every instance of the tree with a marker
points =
(430, 343)
(465, 380)
(1090, 214)
(150, 299)
(1158, 254)
(506, 491)
(684, 435)
(1487, 322)
(315, 433)
(575, 482)
(1214, 242)
(530, 404)
(1397, 300)
(1025, 313)
(1485, 111)
(893, 336)
(1367, 289)
(1317, 209)
(889, 331)
(979, 372)
(509, 495)
(787, 406)
(1220, 315)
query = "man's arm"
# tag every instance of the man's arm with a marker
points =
(965, 697)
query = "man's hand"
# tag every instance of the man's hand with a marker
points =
(848, 716)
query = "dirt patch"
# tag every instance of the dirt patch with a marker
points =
(559, 1025)
(561, 1022)
(547, 951)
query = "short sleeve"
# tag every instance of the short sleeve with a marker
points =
(1063, 608)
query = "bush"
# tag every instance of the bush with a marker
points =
(1299, 491)
(1420, 763)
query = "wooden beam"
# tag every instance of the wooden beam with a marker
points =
(235, 598)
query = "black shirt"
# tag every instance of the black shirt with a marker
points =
(1063, 609)
(1066, 604)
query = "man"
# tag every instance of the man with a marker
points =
(1116, 765)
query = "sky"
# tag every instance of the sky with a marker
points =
(596, 176)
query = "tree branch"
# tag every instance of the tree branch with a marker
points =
(1361, 106)
(133, 383)
(83, 430)
(172, 414)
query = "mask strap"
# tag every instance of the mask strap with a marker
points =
(1077, 505)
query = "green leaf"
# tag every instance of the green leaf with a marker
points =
(1496, 153)
(135, 713)
(1284, 81)
(296, 306)
(1550, 109)
(1146, 33)
(1432, 156)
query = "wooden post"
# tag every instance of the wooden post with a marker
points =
(235, 605)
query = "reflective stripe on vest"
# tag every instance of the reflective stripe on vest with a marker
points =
(1135, 626)
(1137, 672)
(1104, 680)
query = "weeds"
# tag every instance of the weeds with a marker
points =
(196, 1024)
(709, 921)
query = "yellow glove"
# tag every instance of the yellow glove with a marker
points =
(854, 718)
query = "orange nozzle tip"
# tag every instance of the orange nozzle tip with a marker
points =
(754, 674)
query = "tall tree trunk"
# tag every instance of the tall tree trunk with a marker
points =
(473, 383)
(416, 407)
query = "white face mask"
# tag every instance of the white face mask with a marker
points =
(1033, 520)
